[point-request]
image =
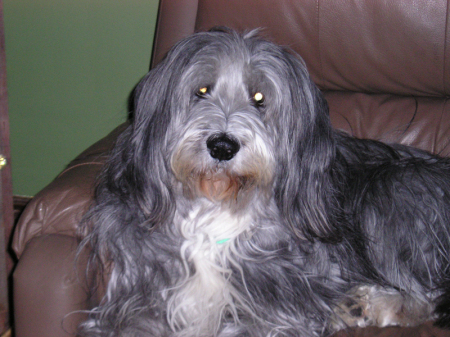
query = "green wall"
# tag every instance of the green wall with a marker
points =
(71, 66)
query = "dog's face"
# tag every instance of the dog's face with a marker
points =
(226, 115)
(223, 141)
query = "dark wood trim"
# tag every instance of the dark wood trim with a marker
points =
(6, 200)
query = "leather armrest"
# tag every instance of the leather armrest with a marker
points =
(50, 293)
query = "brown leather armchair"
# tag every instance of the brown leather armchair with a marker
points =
(383, 65)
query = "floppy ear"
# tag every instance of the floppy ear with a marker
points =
(304, 190)
(134, 187)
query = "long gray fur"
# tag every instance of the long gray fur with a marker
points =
(268, 242)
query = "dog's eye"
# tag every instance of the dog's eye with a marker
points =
(202, 92)
(258, 98)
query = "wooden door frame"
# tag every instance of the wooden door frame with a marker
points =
(6, 199)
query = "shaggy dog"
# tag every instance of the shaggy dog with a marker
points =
(230, 207)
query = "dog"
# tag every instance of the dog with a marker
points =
(230, 207)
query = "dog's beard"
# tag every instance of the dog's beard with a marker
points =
(223, 185)
(218, 185)
(222, 182)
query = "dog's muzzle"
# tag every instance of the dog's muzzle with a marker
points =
(218, 174)
(222, 146)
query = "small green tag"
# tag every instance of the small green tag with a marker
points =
(222, 241)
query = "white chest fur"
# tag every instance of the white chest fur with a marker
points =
(199, 300)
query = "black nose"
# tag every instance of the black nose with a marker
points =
(222, 147)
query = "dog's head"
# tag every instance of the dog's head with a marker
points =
(224, 115)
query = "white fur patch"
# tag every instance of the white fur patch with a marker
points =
(204, 296)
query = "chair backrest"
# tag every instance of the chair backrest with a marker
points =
(384, 65)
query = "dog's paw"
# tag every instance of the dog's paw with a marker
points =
(353, 310)
(374, 305)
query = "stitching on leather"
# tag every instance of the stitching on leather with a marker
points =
(438, 128)
(322, 78)
(444, 77)
(77, 165)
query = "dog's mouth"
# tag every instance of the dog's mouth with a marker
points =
(223, 186)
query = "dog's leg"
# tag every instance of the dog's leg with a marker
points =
(374, 305)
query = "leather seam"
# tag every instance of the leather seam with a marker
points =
(78, 165)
